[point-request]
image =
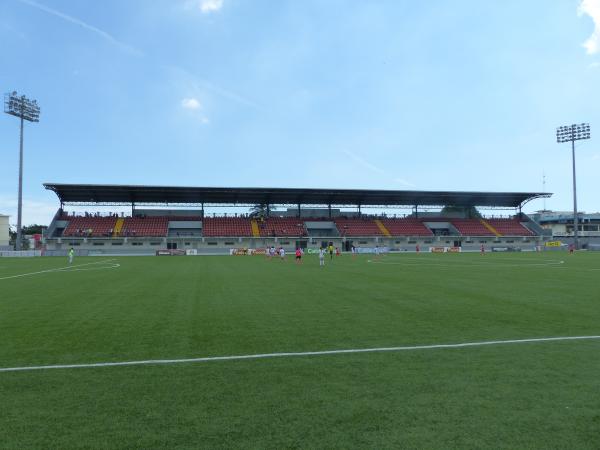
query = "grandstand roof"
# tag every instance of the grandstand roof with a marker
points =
(122, 194)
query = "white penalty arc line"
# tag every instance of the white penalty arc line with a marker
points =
(58, 269)
(292, 354)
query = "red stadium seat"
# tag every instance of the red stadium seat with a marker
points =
(81, 226)
(151, 226)
(226, 226)
(509, 227)
(406, 227)
(357, 227)
(471, 227)
(282, 226)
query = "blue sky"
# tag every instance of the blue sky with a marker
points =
(449, 95)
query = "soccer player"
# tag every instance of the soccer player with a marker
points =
(337, 251)
(282, 253)
(331, 251)
(353, 251)
(298, 256)
(321, 256)
(71, 254)
(482, 249)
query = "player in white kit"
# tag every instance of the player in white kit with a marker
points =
(321, 256)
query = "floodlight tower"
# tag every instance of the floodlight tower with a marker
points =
(28, 110)
(572, 133)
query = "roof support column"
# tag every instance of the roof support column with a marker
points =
(416, 211)
(202, 211)
(359, 212)
(299, 211)
(268, 210)
(132, 209)
(329, 209)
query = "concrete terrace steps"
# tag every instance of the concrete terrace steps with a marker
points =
(490, 227)
(118, 226)
(382, 228)
(255, 229)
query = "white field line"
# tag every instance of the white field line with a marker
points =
(449, 264)
(59, 269)
(487, 257)
(553, 263)
(103, 267)
(292, 354)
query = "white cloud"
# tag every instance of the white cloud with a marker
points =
(205, 6)
(208, 6)
(378, 170)
(199, 85)
(84, 25)
(190, 103)
(404, 182)
(594, 65)
(194, 105)
(366, 164)
(592, 9)
(34, 211)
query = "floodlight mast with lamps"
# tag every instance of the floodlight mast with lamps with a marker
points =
(28, 110)
(572, 133)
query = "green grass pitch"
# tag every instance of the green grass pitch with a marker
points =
(543, 395)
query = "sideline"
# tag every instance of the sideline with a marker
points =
(59, 269)
(291, 354)
(422, 262)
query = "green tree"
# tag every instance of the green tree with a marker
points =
(12, 235)
(469, 212)
(34, 229)
(260, 210)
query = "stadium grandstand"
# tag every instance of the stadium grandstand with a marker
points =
(309, 219)
(560, 223)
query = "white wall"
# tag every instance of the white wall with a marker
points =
(3, 230)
